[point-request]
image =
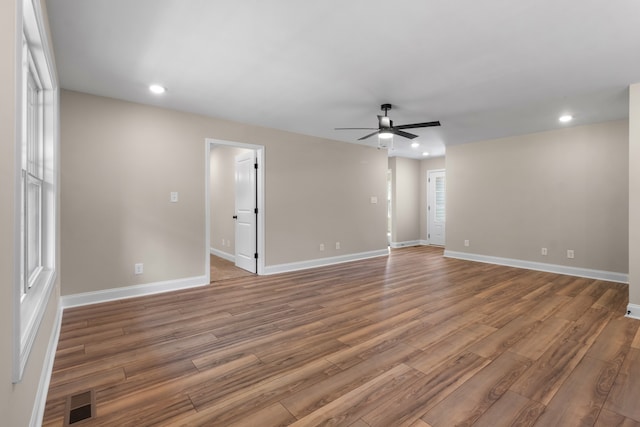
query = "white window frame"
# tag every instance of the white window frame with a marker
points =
(36, 164)
(32, 172)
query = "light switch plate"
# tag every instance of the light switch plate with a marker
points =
(174, 197)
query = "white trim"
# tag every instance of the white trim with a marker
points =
(16, 356)
(223, 255)
(207, 209)
(259, 150)
(539, 266)
(633, 311)
(106, 295)
(37, 413)
(396, 245)
(33, 326)
(322, 262)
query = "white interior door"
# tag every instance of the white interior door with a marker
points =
(436, 207)
(246, 215)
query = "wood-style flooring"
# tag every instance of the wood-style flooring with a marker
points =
(414, 339)
(221, 269)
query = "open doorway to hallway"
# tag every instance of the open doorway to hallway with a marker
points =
(234, 230)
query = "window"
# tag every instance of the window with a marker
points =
(32, 174)
(37, 169)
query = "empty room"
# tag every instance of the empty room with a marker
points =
(245, 213)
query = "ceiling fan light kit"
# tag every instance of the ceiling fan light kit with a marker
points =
(386, 130)
(385, 141)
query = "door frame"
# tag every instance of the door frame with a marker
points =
(259, 151)
(430, 198)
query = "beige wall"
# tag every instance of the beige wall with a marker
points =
(564, 189)
(319, 191)
(634, 194)
(405, 200)
(222, 197)
(427, 165)
(120, 161)
(16, 400)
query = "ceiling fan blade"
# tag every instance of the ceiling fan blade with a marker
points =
(368, 136)
(405, 134)
(355, 128)
(418, 125)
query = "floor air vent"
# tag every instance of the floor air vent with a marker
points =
(80, 407)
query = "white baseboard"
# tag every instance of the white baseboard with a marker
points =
(37, 413)
(321, 262)
(408, 243)
(224, 255)
(633, 311)
(87, 298)
(539, 266)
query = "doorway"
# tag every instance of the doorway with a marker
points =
(436, 213)
(221, 212)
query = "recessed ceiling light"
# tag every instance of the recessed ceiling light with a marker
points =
(157, 89)
(425, 153)
(415, 144)
(566, 118)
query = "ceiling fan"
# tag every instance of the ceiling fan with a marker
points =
(386, 129)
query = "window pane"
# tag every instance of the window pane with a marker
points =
(33, 229)
(34, 124)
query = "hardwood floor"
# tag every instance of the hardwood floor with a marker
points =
(221, 269)
(414, 339)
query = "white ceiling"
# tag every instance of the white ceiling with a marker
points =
(485, 69)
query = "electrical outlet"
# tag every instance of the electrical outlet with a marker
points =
(570, 254)
(544, 251)
(138, 268)
(466, 243)
(337, 245)
(173, 197)
(321, 246)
